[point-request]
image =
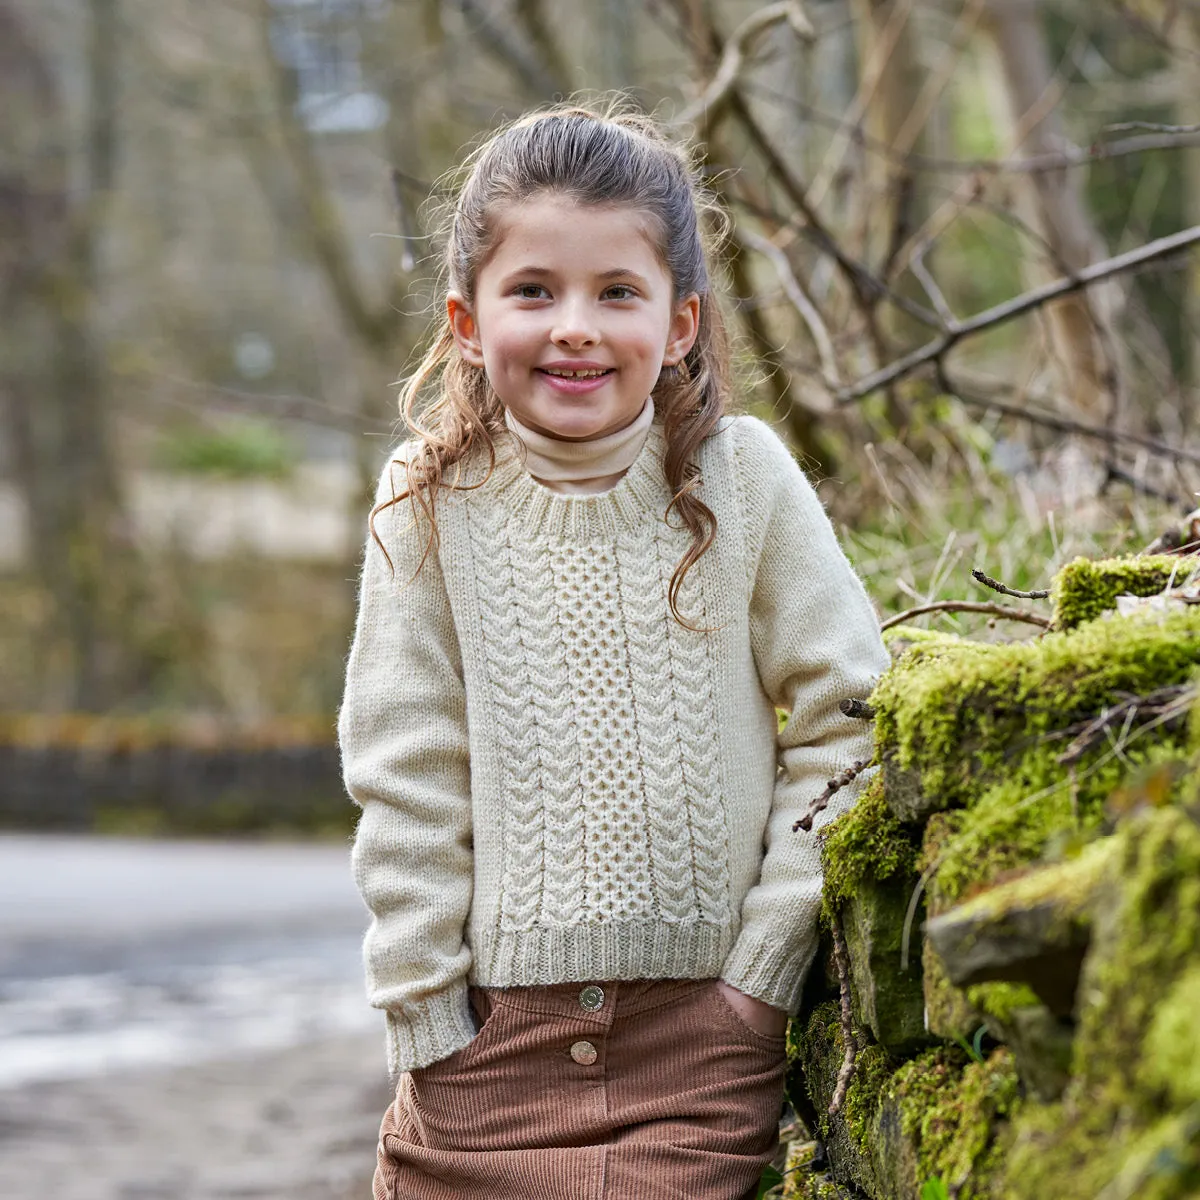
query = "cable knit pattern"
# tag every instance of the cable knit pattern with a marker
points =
(559, 781)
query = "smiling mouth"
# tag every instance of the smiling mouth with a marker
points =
(590, 374)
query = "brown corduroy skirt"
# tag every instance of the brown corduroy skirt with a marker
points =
(643, 1090)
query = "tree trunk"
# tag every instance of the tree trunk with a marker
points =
(1080, 326)
(1187, 108)
(53, 373)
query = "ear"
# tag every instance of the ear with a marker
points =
(465, 330)
(685, 325)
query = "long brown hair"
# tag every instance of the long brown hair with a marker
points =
(604, 157)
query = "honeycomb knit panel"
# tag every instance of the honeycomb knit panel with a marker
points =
(560, 782)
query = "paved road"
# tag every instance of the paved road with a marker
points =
(184, 1021)
(118, 952)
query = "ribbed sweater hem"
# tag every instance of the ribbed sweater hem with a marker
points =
(771, 969)
(614, 950)
(426, 1033)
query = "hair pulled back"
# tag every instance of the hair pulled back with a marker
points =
(606, 158)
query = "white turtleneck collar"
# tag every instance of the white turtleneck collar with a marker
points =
(592, 466)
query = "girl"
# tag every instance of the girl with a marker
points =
(585, 594)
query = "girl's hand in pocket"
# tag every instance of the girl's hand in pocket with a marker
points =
(761, 1017)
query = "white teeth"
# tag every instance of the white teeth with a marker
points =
(575, 374)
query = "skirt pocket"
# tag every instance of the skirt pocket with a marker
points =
(479, 1097)
(748, 1034)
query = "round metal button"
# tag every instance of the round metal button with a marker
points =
(591, 998)
(583, 1053)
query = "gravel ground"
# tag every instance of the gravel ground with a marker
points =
(298, 1124)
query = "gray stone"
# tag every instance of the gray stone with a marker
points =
(903, 792)
(889, 1000)
(1032, 930)
(1041, 1045)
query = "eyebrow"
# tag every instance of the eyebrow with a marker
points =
(614, 273)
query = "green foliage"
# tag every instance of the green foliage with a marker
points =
(934, 1189)
(771, 1178)
(246, 450)
(974, 1048)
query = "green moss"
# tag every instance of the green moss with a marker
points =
(867, 843)
(1069, 887)
(1115, 1121)
(1173, 1043)
(1001, 1000)
(1149, 938)
(1086, 588)
(957, 1112)
(1036, 809)
(872, 1070)
(960, 714)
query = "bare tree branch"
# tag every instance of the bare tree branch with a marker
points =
(322, 227)
(821, 803)
(1165, 137)
(1113, 437)
(803, 305)
(704, 109)
(973, 606)
(1127, 126)
(841, 959)
(530, 73)
(934, 351)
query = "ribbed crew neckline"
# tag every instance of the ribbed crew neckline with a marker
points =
(640, 493)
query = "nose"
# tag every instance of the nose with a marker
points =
(574, 326)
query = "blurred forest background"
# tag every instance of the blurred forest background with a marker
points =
(216, 263)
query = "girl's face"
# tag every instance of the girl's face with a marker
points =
(574, 316)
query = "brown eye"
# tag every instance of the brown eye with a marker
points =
(530, 291)
(620, 291)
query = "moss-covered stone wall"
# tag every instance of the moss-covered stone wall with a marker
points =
(1018, 888)
(171, 775)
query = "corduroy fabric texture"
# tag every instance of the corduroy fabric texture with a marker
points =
(561, 782)
(682, 1101)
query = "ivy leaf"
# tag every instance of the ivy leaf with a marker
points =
(770, 1178)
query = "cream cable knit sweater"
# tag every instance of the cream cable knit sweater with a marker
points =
(559, 782)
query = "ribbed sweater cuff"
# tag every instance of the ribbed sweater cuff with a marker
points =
(769, 968)
(428, 1032)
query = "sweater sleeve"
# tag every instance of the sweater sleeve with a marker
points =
(815, 639)
(402, 729)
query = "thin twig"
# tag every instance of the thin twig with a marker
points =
(1114, 437)
(871, 75)
(803, 305)
(992, 610)
(834, 786)
(997, 586)
(1160, 137)
(934, 351)
(734, 57)
(1170, 703)
(859, 709)
(1149, 126)
(841, 959)
(935, 294)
